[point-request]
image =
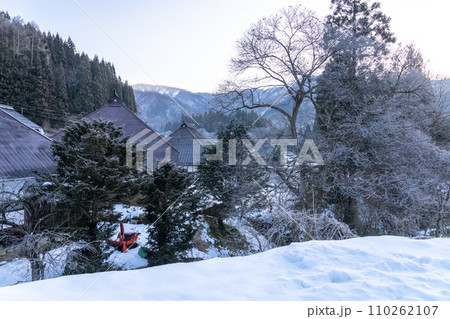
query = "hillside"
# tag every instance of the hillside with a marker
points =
(369, 268)
(158, 105)
(44, 76)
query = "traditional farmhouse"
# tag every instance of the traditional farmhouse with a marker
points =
(183, 140)
(134, 128)
(23, 151)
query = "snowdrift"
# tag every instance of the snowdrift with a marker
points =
(369, 268)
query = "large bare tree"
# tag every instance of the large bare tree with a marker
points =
(283, 50)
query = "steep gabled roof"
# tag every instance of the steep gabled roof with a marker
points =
(22, 149)
(116, 111)
(182, 139)
(10, 110)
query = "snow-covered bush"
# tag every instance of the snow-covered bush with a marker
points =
(283, 227)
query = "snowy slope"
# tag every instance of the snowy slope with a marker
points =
(370, 268)
(158, 105)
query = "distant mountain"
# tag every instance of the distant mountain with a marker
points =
(158, 105)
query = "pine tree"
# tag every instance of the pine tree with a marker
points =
(41, 102)
(368, 125)
(349, 85)
(84, 98)
(91, 162)
(100, 91)
(48, 79)
(61, 104)
(364, 35)
(170, 202)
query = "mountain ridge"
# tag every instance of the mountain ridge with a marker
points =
(158, 105)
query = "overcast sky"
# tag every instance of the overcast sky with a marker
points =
(188, 44)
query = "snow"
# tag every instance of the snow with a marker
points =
(14, 272)
(16, 217)
(131, 259)
(128, 212)
(367, 268)
(211, 251)
(18, 270)
(258, 242)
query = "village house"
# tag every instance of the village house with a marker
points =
(117, 112)
(24, 152)
(183, 140)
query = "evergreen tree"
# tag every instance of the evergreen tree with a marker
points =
(41, 95)
(364, 34)
(349, 84)
(61, 98)
(368, 126)
(84, 97)
(91, 163)
(170, 202)
(46, 78)
(235, 186)
(100, 91)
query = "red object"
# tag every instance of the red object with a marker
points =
(124, 240)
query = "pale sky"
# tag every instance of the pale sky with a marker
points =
(188, 44)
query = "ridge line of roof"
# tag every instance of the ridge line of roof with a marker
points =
(29, 127)
(159, 134)
(189, 129)
(7, 108)
(137, 117)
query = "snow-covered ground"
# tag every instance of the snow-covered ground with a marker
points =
(131, 259)
(19, 271)
(14, 272)
(368, 268)
(128, 212)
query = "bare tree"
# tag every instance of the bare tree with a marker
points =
(284, 50)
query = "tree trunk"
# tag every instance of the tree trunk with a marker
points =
(350, 210)
(293, 127)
